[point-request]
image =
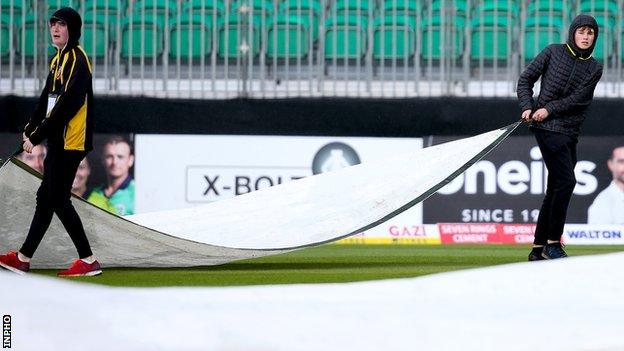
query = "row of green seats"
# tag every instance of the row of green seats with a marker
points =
(345, 37)
(285, 37)
(500, 5)
(483, 29)
(161, 9)
(22, 7)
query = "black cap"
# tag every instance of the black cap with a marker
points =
(578, 22)
(73, 21)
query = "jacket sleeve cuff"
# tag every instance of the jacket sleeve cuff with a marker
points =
(526, 106)
(35, 139)
(28, 130)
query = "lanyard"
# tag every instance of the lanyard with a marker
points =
(58, 75)
(59, 70)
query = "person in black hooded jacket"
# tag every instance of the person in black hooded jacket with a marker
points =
(64, 117)
(569, 76)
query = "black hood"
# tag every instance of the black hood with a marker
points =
(74, 23)
(580, 21)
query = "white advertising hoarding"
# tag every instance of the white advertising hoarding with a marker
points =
(593, 234)
(180, 171)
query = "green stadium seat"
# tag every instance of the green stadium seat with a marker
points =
(309, 10)
(190, 31)
(401, 7)
(497, 8)
(622, 46)
(347, 8)
(288, 37)
(94, 39)
(548, 8)
(19, 11)
(433, 33)
(209, 7)
(214, 11)
(137, 29)
(345, 37)
(5, 39)
(540, 32)
(606, 38)
(599, 7)
(26, 36)
(26, 42)
(453, 8)
(111, 10)
(112, 13)
(305, 7)
(159, 10)
(490, 38)
(53, 5)
(233, 29)
(261, 10)
(394, 37)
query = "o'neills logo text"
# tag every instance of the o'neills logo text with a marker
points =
(516, 177)
(6, 332)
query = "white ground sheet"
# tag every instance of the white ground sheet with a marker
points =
(570, 304)
(293, 215)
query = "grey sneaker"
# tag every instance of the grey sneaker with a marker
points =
(553, 251)
(536, 255)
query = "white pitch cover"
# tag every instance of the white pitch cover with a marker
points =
(301, 213)
(209, 168)
(491, 308)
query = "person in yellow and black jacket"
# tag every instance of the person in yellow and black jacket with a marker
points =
(63, 117)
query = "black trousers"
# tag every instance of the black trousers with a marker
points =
(559, 154)
(54, 196)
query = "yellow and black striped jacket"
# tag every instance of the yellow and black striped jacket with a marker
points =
(69, 125)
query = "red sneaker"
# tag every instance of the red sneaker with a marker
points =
(12, 263)
(81, 268)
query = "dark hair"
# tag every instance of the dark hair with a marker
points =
(118, 139)
(613, 151)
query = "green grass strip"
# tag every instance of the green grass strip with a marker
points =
(330, 264)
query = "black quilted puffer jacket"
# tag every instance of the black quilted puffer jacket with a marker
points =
(569, 77)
